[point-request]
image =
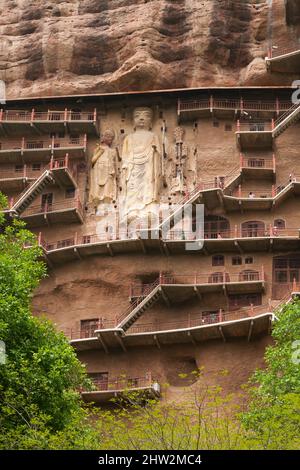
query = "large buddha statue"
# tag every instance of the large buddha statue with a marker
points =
(141, 165)
(103, 187)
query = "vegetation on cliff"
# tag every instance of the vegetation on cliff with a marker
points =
(40, 375)
(39, 371)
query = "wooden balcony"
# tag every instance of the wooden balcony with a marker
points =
(18, 177)
(255, 135)
(66, 211)
(237, 240)
(233, 325)
(284, 57)
(25, 122)
(246, 322)
(191, 110)
(25, 150)
(258, 167)
(122, 387)
(14, 179)
(230, 241)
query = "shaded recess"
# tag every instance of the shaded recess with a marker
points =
(230, 33)
(292, 12)
(180, 371)
(93, 54)
(173, 25)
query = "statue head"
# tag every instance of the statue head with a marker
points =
(108, 137)
(142, 118)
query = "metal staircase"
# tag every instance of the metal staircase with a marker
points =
(150, 296)
(286, 120)
(32, 192)
(230, 179)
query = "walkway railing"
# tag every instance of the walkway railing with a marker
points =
(240, 105)
(251, 126)
(190, 321)
(142, 291)
(122, 383)
(147, 291)
(59, 206)
(200, 319)
(45, 144)
(50, 115)
(174, 235)
(283, 48)
(24, 171)
(258, 162)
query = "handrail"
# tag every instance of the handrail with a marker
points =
(12, 116)
(192, 320)
(149, 290)
(283, 48)
(177, 235)
(236, 105)
(66, 204)
(43, 144)
(122, 383)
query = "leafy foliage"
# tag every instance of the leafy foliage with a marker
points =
(41, 374)
(274, 411)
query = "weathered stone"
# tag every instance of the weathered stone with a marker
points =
(84, 46)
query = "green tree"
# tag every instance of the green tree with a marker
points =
(274, 410)
(40, 378)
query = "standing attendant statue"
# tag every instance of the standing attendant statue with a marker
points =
(103, 187)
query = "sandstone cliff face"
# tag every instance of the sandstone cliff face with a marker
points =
(50, 47)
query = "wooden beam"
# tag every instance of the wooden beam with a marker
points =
(161, 248)
(120, 341)
(77, 254)
(156, 341)
(271, 245)
(142, 243)
(110, 250)
(220, 197)
(103, 343)
(165, 297)
(166, 249)
(236, 243)
(35, 127)
(189, 334)
(196, 290)
(222, 333)
(250, 330)
(3, 130)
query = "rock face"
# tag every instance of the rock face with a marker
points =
(51, 47)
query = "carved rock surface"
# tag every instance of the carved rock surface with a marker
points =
(51, 47)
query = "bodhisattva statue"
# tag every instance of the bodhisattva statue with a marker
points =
(141, 164)
(103, 187)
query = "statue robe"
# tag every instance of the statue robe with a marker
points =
(141, 157)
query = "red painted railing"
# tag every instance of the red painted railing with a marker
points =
(43, 144)
(122, 383)
(258, 162)
(25, 171)
(212, 278)
(148, 289)
(252, 126)
(283, 47)
(200, 319)
(174, 235)
(236, 105)
(189, 321)
(59, 206)
(50, 115)
(238, 232)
